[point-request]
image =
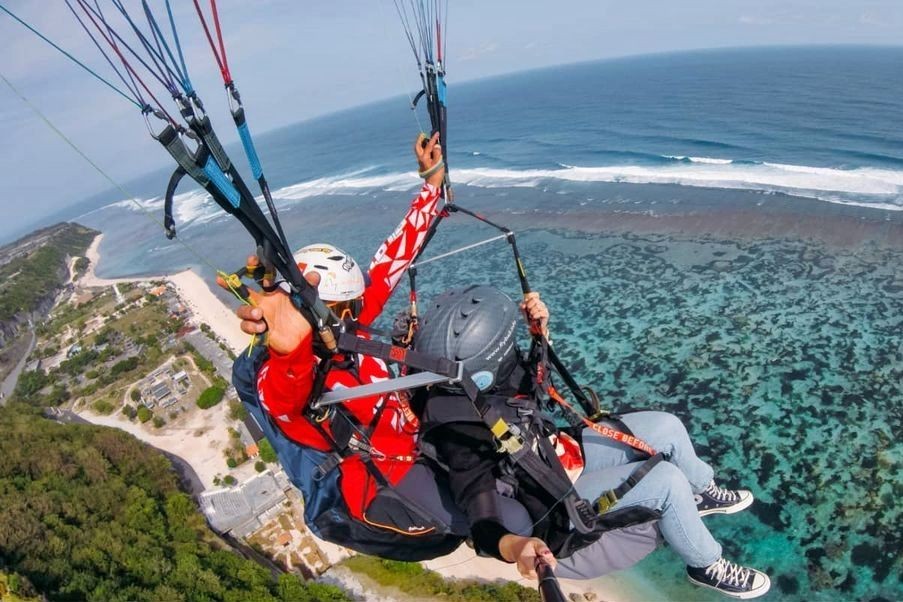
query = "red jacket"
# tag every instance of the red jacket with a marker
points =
(284, 381)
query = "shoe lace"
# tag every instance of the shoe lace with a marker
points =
(728, 572)
(721, 494)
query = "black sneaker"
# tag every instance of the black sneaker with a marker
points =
(730, 579)
(716, 500)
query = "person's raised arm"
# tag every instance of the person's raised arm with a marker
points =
(395, 255)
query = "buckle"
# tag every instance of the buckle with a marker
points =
(582, 515)
(508, 437)
(606, 501)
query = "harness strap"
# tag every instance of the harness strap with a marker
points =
(605, 431)
(609, 498)
(398, 355)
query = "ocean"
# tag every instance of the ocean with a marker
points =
(718, 234)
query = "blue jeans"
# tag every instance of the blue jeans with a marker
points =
(668, 488)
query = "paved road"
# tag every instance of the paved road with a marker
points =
(9, 384)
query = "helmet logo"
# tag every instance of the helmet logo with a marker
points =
(348, 264)
(483, 379)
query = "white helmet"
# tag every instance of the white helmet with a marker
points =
(340, 277)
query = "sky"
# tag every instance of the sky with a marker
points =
(294, 60)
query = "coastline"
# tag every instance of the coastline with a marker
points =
(204, 306)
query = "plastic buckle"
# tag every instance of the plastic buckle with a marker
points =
(508, 437)
(606, 501)
(511, 444)
(582, 515)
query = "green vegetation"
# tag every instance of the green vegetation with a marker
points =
(126, 365)
(104, 406)
(158, 422)
(14, 588)
(411, 578)
(81, 265)
(203, 364)
(144, 414)
(130, 411)
(237, 410)
(267, 453)
(211, 396)
(92, 514)
(230, 480)
(30, 383)
(34, 279)
(260, 466)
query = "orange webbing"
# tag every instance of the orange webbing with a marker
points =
(603, 430)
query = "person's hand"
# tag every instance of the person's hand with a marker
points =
(537, 314)
(523, 551)
(428, 155)
(274, 314)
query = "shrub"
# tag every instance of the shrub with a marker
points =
(231, 462)
(126, 365)
(130, 411)
(267, 453)
(260, 466)
(210, 397)
(144, 414)
(135, 394)
(229, 480)
(103, 406)
(237, 410)
(158, 421)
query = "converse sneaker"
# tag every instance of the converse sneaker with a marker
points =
(717, 500)
(730, 579)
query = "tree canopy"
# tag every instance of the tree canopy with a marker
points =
(90, 513)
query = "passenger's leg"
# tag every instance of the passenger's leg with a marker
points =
(666, 490)
(663, 431)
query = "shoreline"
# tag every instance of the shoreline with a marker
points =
(204, 306)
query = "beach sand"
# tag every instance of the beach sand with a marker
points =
(204, 453)
(199, 439)
(205, 307)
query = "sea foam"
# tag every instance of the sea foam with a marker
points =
(864, 187)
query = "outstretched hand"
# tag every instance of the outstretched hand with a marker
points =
(524, 551)
(429, 153)
(273, 313)
(537, 314)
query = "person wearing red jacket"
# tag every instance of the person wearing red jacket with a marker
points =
(384, 423)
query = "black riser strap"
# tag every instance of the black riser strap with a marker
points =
(398, 355)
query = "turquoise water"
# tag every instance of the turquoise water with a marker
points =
(718, 234)
(784, 359)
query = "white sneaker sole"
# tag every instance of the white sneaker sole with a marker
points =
(760, 591)
(741, 505)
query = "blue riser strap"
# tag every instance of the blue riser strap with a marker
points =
(441, 89)
(246, 141)
(222, 183)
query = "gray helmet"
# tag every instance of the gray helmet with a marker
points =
(475, 325)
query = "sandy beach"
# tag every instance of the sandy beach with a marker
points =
(205, 307)
(199, 439)
(204, 453)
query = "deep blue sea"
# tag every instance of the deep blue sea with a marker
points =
(718, 234)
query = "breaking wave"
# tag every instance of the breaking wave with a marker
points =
(865, 187)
